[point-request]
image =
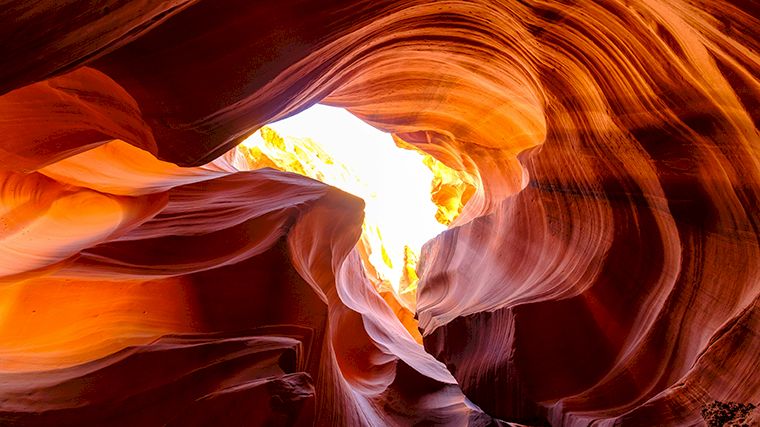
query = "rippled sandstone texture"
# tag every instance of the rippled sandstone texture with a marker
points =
(606, 270)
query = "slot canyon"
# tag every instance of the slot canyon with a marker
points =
(586, 175)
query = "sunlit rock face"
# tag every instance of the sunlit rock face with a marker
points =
(409, 197)
(604, 270)
(399, 212)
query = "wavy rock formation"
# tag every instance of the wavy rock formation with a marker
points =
(606, 269)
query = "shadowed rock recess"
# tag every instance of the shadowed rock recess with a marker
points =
(605, 270)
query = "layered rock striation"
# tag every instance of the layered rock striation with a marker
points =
(605, 270)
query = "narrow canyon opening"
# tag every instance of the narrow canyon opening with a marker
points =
(410, 197)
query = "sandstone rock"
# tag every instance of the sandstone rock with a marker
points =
(604, 270)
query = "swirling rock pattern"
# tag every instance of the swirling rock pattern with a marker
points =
(605, 271)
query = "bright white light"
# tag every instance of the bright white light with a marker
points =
(394, 183)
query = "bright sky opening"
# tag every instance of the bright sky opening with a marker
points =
(337, 148)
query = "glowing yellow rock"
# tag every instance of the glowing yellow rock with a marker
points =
(408, 201)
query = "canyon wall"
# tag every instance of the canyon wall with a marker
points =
(606, 270)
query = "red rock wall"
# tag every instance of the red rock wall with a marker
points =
(606, 270)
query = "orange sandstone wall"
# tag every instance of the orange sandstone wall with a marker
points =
(606, 270)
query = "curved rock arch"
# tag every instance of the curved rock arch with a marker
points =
(605, 271)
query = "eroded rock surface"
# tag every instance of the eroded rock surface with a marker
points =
(605, 270)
